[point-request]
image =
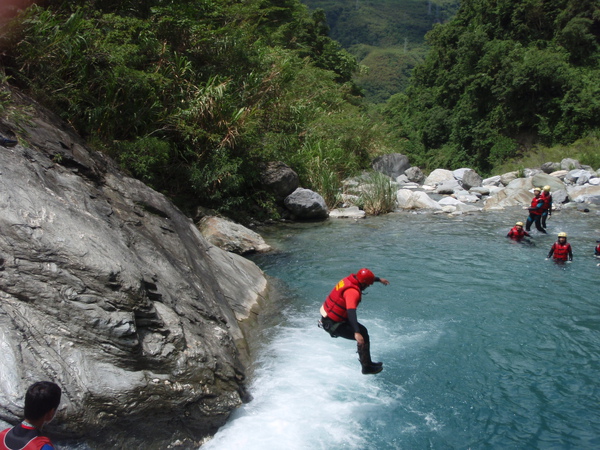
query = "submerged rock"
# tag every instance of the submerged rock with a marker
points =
(352, 212)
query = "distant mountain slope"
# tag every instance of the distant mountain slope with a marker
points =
(387, 36)
(383, 23)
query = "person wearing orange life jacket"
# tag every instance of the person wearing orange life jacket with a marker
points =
(41, 402)
(338, 315)
(517, 232)
(561, 250)
(547, 197)
(535, 211)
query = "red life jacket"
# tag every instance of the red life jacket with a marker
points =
(597, 249)
(534, 204)
(30, 441)
(516, 233)
(335, 304)
(561, 251)
(547, 197)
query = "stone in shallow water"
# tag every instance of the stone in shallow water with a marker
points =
(352, 212)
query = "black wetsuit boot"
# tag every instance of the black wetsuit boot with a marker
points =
(368, 366)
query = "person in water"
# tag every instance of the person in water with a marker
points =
(547, 197)
(41, 402)
(561, 250)
(597, 249)
(535, 211)
(338, 315)
(517, 232)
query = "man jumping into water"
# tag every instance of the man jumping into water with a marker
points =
(338, 315)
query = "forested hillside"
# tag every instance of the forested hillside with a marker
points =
(192, 96)
(500, 78)
(386, 36)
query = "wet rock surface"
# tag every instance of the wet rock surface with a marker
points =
(109, 290)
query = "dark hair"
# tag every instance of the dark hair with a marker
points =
(40, 398)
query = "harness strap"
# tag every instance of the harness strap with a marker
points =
(329, 325)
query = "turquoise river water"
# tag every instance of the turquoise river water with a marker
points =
(485, 344)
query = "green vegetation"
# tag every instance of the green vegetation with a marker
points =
(586, 150)
(387, 71)
(386, 37)
(501, 78)
(192, 96)
(378, 195)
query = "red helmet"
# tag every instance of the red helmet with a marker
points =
(366, 277)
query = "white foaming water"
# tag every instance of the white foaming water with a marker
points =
(308, 393)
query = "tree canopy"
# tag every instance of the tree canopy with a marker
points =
(192, 96)
(502, 76)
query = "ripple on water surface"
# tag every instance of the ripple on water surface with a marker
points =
(485, 343)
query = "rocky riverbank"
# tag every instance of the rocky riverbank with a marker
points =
(452, 192)
(109, 290)
(464, 190)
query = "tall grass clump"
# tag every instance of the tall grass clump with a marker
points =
(378, 194)
(321, 165)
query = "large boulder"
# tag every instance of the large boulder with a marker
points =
(517, 192)
(542, 179)
(393, 165)
(481, 190)
(506, 178)
(231, 236)
(496, 180)
(109, 290)
(584, 194)
(549, 167)
(578, 176)
(438, 176)
(459, 173)
(471, 179)
(466, 197)
(448, 201)
(531, 172)
(560, 196)
(407, 199)
(448, 187)
(560, 174)
(570, 164)
(279, 179)
(414, 174)
(305, 204)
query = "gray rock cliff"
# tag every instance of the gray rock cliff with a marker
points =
(109, 290)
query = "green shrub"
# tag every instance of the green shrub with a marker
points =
(378, 194)
(144, 157)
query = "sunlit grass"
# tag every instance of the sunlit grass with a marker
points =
(378, 194)
(585, 150)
